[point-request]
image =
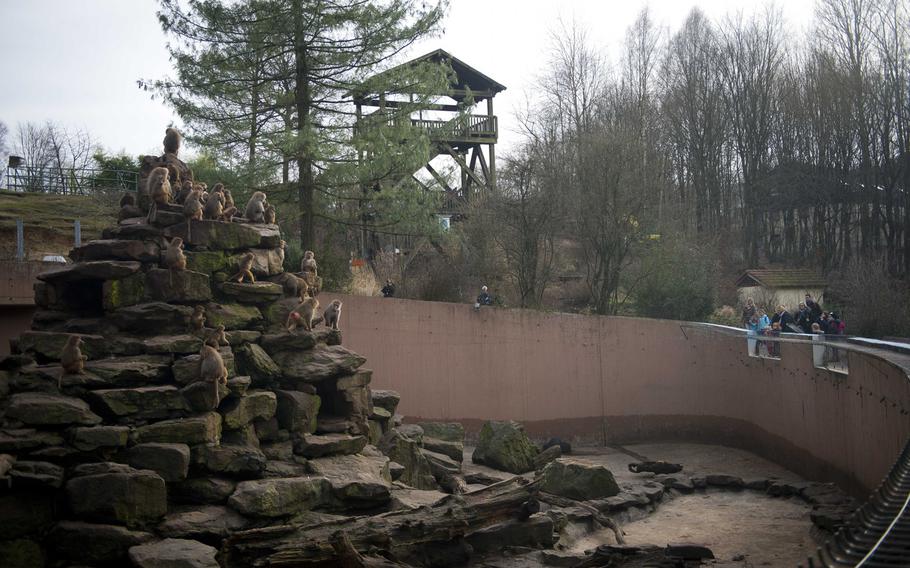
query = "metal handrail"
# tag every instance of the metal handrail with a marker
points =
(69, 181)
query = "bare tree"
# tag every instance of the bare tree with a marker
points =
(53, 156)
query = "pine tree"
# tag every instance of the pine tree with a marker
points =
(267, 85)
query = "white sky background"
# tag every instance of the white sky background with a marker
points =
(77, 62)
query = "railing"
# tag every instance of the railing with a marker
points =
(71, 181)
(460, 127)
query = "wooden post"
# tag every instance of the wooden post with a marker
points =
(492, 179)
(363, 189)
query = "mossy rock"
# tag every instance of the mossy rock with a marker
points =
(578, 481)
(208, 262)
(232, 316)
(124, 292)
(506, 447)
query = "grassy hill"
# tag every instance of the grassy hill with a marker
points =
(49, 218)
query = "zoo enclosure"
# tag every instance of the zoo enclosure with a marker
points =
(69, 181)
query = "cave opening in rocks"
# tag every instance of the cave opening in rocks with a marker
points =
(84, 296)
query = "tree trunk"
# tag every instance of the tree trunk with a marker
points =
(303, 101)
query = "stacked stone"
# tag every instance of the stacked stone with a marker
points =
(135, 457)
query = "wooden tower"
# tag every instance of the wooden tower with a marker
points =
(468, 140)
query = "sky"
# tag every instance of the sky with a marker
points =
(85, 76)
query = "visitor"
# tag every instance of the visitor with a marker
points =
(804, 318)
(388, 290)
(814, 308)
(484, 299)
(748, 312)
(783, 318)
(773, 346)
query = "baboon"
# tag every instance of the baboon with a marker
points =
(246, 265)
(227, 209)
(269, 215)
(332, 314)
(308, 263)
(192, 211)
(217, 337)
(302, 315)
(282, 249)
(71, 358)
(228, 199)
(174, 259)
(295, 286)
(197, 320)
(173, 175)
(214, 207)
(211, 368)
(127, 206)
(159, 189)
(255, 208)
(186, 188)
(172, 140)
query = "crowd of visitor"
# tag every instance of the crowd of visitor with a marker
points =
(808, 318)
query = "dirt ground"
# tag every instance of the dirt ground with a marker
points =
(744, 528)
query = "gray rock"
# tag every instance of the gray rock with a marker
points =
(91, 543)
(359, 379)
(239, 385)
(142, 402)
(505, 446)
(406, 451)
(216, 235)
(446, 431)
(204, 429)
(252, 360)
(172, 344)
(173, 553)
(18, 439)
(170, 461)
(312, 446)
(274, 342)
(577, 480)
(722, 480)
(277, 469)
(320, 363)
(88, 439)
(130, 371)
(36, 474)
(278, 450)
(22, 553)
(279, 497)
(200, 396)
(535, 532)
(24, 513)
(42, 409)
(233, 316)
(297, 411)
(132, 498)
(202, 490)
(245, 461)
(251, 293)
(92, 270)
(117, 249)
(152, 318)
(546, 456)
(205, 522)
(356, 481)
(239, 412)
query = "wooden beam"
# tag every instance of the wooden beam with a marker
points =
(442, 181)
(483, 163)
(464, 165)
(400, 104)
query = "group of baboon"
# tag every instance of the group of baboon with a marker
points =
(218, 205)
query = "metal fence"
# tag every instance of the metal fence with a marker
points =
(70, 181)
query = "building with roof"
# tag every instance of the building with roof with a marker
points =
(773, 286)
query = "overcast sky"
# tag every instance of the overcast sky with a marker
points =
(77, 62)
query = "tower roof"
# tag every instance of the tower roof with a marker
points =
(466, 77)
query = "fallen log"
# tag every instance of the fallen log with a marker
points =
(428, 536)
(598, 517)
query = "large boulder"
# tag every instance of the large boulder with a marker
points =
(577, 480)
(170, 461)
(204, 429)
(311, 446)
(252, 360)
(173, 553)
(117, 249)
(444, 437)
(92, 270)
(239, 412)
(406, 451)
(251, 293)
(232, 316)
(208, 522)
(88, 439)
(241, 461)
(505, 446)
(386, 399)
(279, 497)
(320, 363)
(152, 318)
(216, 235)
(179, 286)
(297, 411)
(142, 402)
(202, 490)
(356, 481)
(130, 371)
(40, 409)
(124, 496)
(95, 544)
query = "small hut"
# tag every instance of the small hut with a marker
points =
(774, 286)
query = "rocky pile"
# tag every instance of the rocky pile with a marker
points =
(134, 456)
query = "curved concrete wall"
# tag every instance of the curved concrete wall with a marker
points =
(618, 380)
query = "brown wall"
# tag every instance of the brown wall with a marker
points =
(619, 380)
